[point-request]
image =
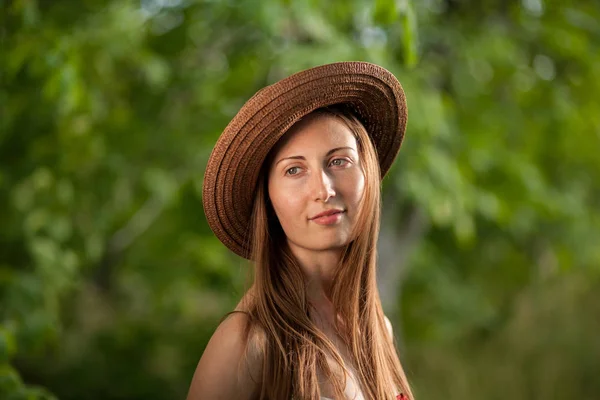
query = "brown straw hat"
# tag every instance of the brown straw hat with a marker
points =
(368, 90)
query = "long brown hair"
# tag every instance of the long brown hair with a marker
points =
(293, 348)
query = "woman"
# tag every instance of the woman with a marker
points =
(293, 184)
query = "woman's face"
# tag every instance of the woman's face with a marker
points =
(316, 169)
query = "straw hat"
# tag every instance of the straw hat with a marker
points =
(368, 90)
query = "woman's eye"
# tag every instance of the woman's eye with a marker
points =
(338, 162)
(292, 171)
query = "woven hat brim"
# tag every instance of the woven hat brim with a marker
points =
(232, 172)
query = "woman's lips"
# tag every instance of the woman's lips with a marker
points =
(328, 219)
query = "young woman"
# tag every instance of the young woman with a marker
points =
(293, 184)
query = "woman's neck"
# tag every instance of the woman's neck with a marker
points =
(319, 269)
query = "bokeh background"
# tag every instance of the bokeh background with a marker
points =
(111, 282)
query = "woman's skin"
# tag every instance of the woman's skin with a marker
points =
(315, 168)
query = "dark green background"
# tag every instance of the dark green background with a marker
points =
(111, 282)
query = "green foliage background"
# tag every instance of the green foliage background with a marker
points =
(111, 282)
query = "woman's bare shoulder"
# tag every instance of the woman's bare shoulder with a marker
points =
(231, 365)
(389, 327)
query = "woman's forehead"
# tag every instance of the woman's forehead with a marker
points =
(316, 132)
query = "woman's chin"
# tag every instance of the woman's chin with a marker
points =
(330, 243)
(334, 239)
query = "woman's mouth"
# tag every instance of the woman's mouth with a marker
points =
(329, 217)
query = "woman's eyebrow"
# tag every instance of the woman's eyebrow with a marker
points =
(328, 154)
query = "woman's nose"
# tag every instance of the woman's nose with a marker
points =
(323, 186)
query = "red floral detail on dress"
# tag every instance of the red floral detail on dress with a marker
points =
(401, 396)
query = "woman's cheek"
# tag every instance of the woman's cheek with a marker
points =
(354, 185)
(292, 204)
(288, 206)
